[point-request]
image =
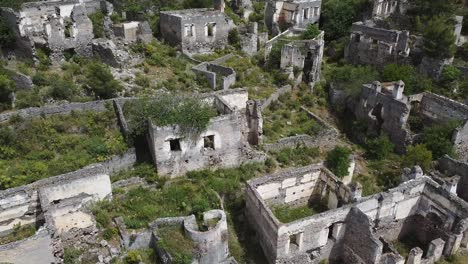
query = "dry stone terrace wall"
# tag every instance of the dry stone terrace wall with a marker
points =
(325, 231)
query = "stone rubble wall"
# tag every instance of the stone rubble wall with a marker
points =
(441, 109)
(451, 167)
(460, 140)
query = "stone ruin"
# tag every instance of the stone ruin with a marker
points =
(305, 55)
(218, 77)
(57, 207)
(63, 27)
(385, 108)
(376, 46)
(197, 30)
(211, 245)
(226, 142)
(291, 13)
(356, 229)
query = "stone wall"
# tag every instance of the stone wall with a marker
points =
(451, 167)
(325, 139)
(318, 235)
(274, 97)
(460, 141)
(214, 73)
(441, 109)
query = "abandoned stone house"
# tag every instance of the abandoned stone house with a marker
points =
(58, 26)
(225, 142)
(197, 30)
(306, 55)
(291, 13)
(355, 229)
(56, 207)
(376, 46)
(385, 109)
(134, 31)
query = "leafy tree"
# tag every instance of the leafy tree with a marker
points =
(339, 15)
(433, 8)
(379, 148)
(438, 139)
(338, 161)
(418, 155)
(7, 86)
(414, 81)
(311, 32)
(350, 78)
(100, 81)
(7, 37)
(439, 39)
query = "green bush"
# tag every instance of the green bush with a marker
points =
(7, 86)
(439, 39)
(133, 257)
(191, 114)
(338, 161)
(339, 15)
(311, 32)
(100, 82)
(379, 148)
(97, 19)
(438, 139)
(62, 89)
(414, 81)
(234, 38)
(418, 155)
(450, 73)
(71, 255)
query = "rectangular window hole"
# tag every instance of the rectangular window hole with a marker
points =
(175, 144)
(208, 142)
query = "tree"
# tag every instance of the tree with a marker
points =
(7, 86)
(311, 32)
(414, 81)
(438, 139)
(7, 37)
(449, 74)
(100, 81)
(234, 38)
(339, 15)
(418, 155)
(338, 161)
(439, 39)
(62, 89)
(379, 148)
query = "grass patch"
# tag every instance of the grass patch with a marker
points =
(38, 148)
(19, 233)
(287, 214)
(461, 257)
(299, 156)
(285, 119)
(174, 241)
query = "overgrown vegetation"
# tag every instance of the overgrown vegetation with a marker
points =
(285, 118)
(338, 161)
(288, 213)
(97, 19)
(192, 115)
(174, 241)
(19, 232)
(296, 157)
(38, 148)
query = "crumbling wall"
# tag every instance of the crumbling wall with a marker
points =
(376, 46)
(451, 167)
(33, 250)
(385, 111)
(226, 132)
(214, 73)
(437, 108)
(460, 141)
(359, 243)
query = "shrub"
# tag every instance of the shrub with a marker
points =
(438, 139)
(192, 115)
(418, 155)
(99, 80)
(450, 73)
(338, 161)
(311, 32)
(97, 19)
(71, 255)
(7, 86)
(439, 39)
(62, 88)
(234, 38)
(379, 148)
(133, 257)
(414, 81)
(7, 37)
